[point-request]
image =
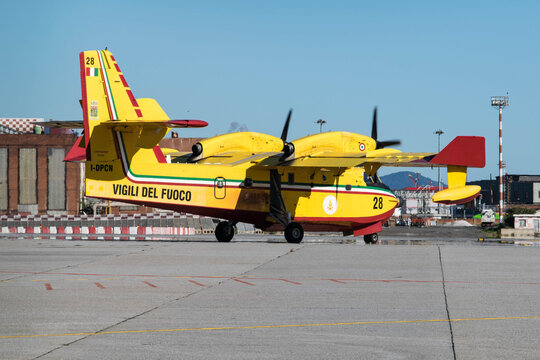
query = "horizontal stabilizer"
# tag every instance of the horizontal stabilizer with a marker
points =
(77, 153)
(65, 124)
(165, 123)
(74, 124)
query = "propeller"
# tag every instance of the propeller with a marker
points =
(286, 127)
(375, 180)
(288, 148)
(380, 144)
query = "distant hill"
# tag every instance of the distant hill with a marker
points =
(401, 179)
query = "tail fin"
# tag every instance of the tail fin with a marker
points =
(106, 98)
(115, 123)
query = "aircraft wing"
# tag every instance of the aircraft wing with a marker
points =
(383, 157)
(332, 160)
(461, 153)
(468, 151)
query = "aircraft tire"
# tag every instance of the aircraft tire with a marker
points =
(371, 238)
(224, 231)
(294, 233)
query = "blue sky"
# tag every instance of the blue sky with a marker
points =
(425, 64)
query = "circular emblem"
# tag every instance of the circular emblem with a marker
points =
(362, 146)
(330, 204)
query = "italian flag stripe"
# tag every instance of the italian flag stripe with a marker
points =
(90, 71)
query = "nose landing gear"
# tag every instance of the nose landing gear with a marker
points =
(371, 238)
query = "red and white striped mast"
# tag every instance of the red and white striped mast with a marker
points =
(500, 102)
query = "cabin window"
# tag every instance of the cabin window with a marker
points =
(248, 182)
(522, 223)
(348, 187)
(290, 179)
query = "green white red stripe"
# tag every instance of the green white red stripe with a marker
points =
(112, 108)
(91, 71)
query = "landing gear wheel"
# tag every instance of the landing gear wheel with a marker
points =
(371, 238)
(224, 231)
(294, 233)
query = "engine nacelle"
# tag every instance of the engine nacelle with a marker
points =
(250, 142)
(335, 141)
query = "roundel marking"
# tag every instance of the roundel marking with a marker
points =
(362, 146)
(330, 204)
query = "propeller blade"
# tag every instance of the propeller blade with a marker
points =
(286, 127)
(383, 144)
(374, 135)
(374, 125)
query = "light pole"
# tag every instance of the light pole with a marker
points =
(439, 133)
(320, 122)
(500, 102)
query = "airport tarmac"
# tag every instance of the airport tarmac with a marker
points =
(260, 298)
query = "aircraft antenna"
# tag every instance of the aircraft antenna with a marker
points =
(500, 102)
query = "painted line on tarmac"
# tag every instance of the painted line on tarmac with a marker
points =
(244, 282)
(196, 283)
(382, 322)
(290, 281)
(265, 278)
(150, 284)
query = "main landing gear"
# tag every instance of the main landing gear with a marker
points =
(294, 233)
(224, 231)
(371, 238)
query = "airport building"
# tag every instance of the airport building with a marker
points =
(416, 201)
(34, 177)
(519, 189)
(528, 221)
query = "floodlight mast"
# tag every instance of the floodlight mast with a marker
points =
(321, 122)
(439, 133)
(500, 102)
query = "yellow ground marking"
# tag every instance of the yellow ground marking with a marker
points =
(271, 326)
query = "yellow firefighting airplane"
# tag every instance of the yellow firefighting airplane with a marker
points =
(322, 182)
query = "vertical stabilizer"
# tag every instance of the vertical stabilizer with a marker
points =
(106, 96)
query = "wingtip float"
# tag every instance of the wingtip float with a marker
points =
(316, 183)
